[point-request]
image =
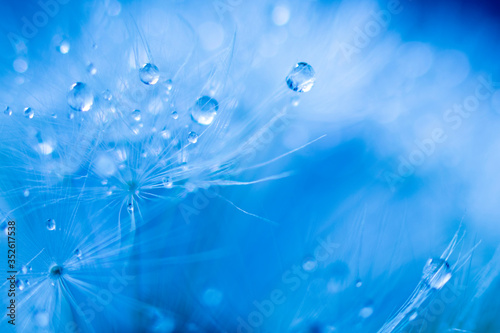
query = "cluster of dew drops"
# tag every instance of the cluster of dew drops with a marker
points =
(203, 112)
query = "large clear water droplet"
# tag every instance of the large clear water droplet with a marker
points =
(149, 74)
(204, 110)
(436, 273)
(29, 113)
(51, 224)
(80, 98)
(192, 137)
(55, 272)
(301, 77)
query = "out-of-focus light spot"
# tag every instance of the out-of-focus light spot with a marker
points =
(20, 65)
(366, 312)
(452, 68)
(414, 59)
(212, 297)
(211, 35)
(495, 101)
(114, 8)
(45, 148)
(105, 166)
(281, 15)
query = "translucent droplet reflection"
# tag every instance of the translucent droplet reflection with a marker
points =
(301, 77)
(80, 97)
(149, 74)
(204, 110)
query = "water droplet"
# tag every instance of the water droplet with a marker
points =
(168, 86)
(166, 134)
(78, 253)
(91, 69)
(436, 273)
(413, 315)
(204, 110)
(130, 208)
(167, 182)
(55, 272)
(175, 115)
(26, 193)
(24, 269)
(8, 111)
(359, 283)
(51, 224)
(29, 113)
(301, 77)
(309, 264)
(366, 312)
(149, 74)
(212, 297)
(80, 97)
(64, 46)
(192, 137)
(20, 284)
(136, 115)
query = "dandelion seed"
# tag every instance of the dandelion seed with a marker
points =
(301, 77)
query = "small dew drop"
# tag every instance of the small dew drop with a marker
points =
(78, 254)
(136, 115)
(8, 111)
(80, 97)
(175, 115)
(359, 283)
(413, 315)
(130, 208)
(436, 273)
(20, 284)
(24, 269)
(26, 193)
(204, 110)
(366, 312)
(149, 74)
(301, 77)
(55, 272)
(92, 69)
(167, 182)
(29, 113)
(51, 224)
(64, 47)
(192, 137)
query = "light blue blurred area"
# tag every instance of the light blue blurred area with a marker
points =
(378, 98)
